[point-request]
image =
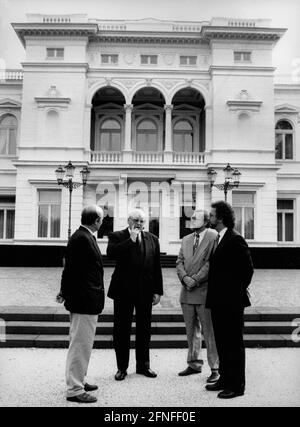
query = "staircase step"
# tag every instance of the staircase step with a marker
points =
(104, 328)
(157, 341)
(53, 314)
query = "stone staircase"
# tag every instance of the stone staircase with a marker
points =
(48, 327)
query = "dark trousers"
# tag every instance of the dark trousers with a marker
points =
(123, 316)
(228, 324)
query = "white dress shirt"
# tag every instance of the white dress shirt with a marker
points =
(221, 234)
(201, 236)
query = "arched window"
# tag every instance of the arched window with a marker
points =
(183, 136)
(8, 135)
(52, 128)
(110, 136)
(284, 140)
(147, 136)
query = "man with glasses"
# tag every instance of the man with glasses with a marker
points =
(136, 284)
(192, 269)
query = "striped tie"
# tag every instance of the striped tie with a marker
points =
(216, 242)
(196, 243)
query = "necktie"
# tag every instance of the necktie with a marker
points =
(216, 242)
(138, 242)
(196, 243)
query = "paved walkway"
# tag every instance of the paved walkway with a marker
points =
(35, 377)
(38, 287)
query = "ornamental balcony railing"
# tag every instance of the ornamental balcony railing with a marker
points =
(188, 158)
(11, 74)
(147, 158)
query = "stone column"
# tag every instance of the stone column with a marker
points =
(127, 146)
(87, 131)
(168, 153)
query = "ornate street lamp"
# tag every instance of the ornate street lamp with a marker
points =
(69, 170)
(232, 179)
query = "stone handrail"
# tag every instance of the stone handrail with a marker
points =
(188, 158)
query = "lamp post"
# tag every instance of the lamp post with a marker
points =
(232, 179)
(69, 170)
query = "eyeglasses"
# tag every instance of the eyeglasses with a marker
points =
(138, 220)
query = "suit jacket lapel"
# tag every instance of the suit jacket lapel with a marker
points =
(223, 242)
(189, 246)
(202, 244)
(93, 241)
(147, 245)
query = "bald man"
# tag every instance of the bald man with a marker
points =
(82, 291)
(136, 284)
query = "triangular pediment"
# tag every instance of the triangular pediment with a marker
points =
(110, 106)
(9, 103)
(186, 107)
(147, 106)
(286, 108)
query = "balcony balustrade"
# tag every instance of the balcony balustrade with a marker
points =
(147, 158)
(11, 74)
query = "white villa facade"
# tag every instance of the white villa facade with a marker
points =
(147, 104)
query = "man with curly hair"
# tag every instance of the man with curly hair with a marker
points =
(230, 274)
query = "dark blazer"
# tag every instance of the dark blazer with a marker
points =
(133, 276)
(82, 278)
(230, 272)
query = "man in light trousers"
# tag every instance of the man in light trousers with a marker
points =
(192, 269)
(82, 291)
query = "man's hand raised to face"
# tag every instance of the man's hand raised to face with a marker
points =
(134, 232)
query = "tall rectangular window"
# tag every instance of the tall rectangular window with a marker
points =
(242, 56)
(7, 217)
(243, 205)
(149, 59)
(285, 220)
(49, 213)
(55, 52)
(107, 59)
(188, 60)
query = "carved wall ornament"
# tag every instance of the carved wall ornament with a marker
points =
(129, 58)
(148, 82)
(108, 81)
(169, 84)
(94, 81)
(169, 59)
(53, 92)
(129, 83)
(243, 95)
(189, 82)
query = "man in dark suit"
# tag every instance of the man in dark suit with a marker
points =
(83, 293)
(230, 274)
(136, 283)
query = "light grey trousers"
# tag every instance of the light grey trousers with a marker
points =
(197, 319)
(82, 336)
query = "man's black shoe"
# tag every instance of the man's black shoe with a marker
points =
(215, 386)
(189, 371)
(228, 394)
(147, 372)
(90, 387)
(82, 398)
(120, 375)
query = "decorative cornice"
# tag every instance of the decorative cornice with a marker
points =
(240, 68)
(24, 30)
(287, 109)
(150, 39)
(244, 102)
(57, 64)
(242, 33)
(10, 103)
